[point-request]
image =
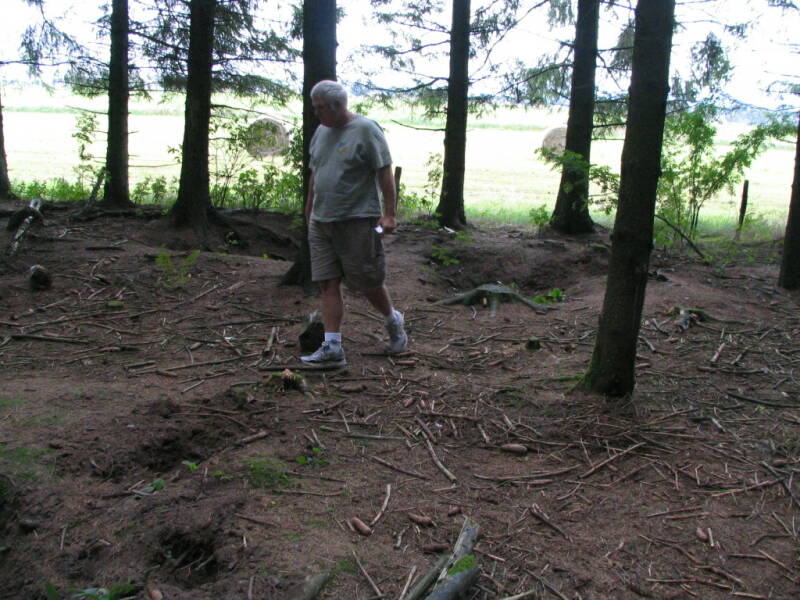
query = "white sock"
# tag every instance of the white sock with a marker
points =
(333, 339)
(393, 317)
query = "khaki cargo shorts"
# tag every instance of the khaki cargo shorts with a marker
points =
(349, 250)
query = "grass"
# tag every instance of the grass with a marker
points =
(9, 402)
(23, 462)
(505, 178)
(267, 472)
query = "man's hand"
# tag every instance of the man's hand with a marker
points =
(386, 183)
(389, 223)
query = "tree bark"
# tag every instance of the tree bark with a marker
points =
(571, 214)
(790, 265)
(116, 192)
(5, 182)
(451, 201)
(319, 62)
(611, 370)
(193, 205)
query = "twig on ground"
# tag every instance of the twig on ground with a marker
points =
(378, 591)
(603, 463)
(547, 585)
(385, 504)
(408, 582)
(536, 512)
(438, 463)
(389, 465)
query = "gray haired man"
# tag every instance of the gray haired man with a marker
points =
(350, 163)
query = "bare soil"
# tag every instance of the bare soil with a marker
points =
(149, 434)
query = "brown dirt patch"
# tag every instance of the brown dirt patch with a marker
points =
(146, 435)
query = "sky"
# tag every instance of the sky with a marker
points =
(765, 56)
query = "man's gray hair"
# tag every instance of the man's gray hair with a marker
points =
(332, 92)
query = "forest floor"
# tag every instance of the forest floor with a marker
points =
(149, 434)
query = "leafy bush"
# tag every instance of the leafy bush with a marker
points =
(155, 190)
(539, 216)
(240, 180)
(415, 203)
(54, 190)
(605, 180)
(273, 188)
(692, 172)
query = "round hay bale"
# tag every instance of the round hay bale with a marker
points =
(266, 137)
(555, 140)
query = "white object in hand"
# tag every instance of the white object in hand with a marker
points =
(379, 229)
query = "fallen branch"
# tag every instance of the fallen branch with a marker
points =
(461, 568)
(755, 400)
(47, 338)
(536, 512)
(408, 582)
(547, 585)
(603, 463)
(527, 594)
(389, 465)
(437, 462)
(201, 364)
(782, 480)
(683, 235)
(383, 508)
(376, 589)
(305, 493)
(427, 579)
(255, 520)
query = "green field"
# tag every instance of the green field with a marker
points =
(504, 178)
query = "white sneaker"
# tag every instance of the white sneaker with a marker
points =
(326, 357)
(398, 340)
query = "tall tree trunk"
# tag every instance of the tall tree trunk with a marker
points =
(194, 198)
(319, 62)
(790, 265)
(571, 214)
(611, 370)
(117, 192)
(5, 182)
(451, 201)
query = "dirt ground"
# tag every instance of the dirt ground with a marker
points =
(148, 434)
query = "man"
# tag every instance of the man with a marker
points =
(350, 161)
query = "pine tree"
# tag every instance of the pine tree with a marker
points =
(611, 371)
(319, 62)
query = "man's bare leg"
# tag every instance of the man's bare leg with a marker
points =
(379, 298)
(332, 305)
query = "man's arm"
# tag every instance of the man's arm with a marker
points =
(386, 182)
(310, 198)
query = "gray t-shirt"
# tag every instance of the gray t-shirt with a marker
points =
(343, 163)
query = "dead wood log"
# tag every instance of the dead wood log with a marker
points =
(426, 581)
(456, 572)
(30, 215)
